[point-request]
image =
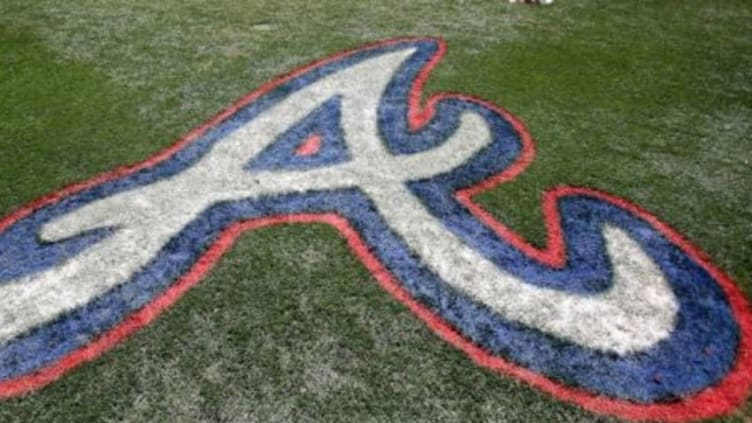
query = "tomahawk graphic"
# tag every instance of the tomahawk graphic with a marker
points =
(612, 299)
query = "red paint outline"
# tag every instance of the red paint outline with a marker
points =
(713, 401)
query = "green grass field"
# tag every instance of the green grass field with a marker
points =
(649, 100)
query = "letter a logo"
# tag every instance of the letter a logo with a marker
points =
(618, 313)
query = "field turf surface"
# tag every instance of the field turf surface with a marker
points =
(649, 100)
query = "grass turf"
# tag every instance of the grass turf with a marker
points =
(648, 100)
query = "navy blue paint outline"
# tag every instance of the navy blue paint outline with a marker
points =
(324, 122)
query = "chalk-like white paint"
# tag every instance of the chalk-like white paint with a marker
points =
(635, 313)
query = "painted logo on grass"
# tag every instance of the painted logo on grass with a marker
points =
(618, 313)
